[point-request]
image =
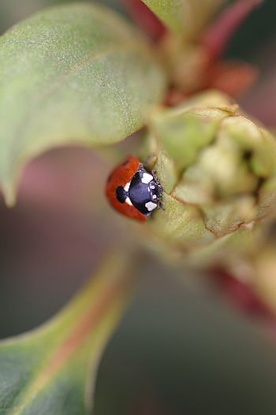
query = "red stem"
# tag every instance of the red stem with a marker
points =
(145, 18)
(242, 295)
(217, 37)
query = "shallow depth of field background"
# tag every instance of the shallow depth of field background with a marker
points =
(182, 348)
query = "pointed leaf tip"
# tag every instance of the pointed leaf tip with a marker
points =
(186, 18)
(71, 74)
(50, 370)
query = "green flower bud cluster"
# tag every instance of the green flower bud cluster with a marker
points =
(217, 167)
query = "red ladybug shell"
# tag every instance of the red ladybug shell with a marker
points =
(120, 176)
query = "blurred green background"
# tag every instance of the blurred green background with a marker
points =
(182, 348)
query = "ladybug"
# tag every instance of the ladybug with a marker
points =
(133, 190)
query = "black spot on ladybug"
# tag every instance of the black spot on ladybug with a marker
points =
(121, 194)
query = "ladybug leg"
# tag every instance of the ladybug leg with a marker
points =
(161, 205)
(160, 190)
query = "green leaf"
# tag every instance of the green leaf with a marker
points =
(185, 17)
(48, 371)
(71, 74)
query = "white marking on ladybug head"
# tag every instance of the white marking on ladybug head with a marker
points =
(146, 178)
(150, 206)
(128, 201)
(126, 187)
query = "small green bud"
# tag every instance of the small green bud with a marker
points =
(218, 171)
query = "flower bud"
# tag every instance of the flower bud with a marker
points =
(217, 168)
